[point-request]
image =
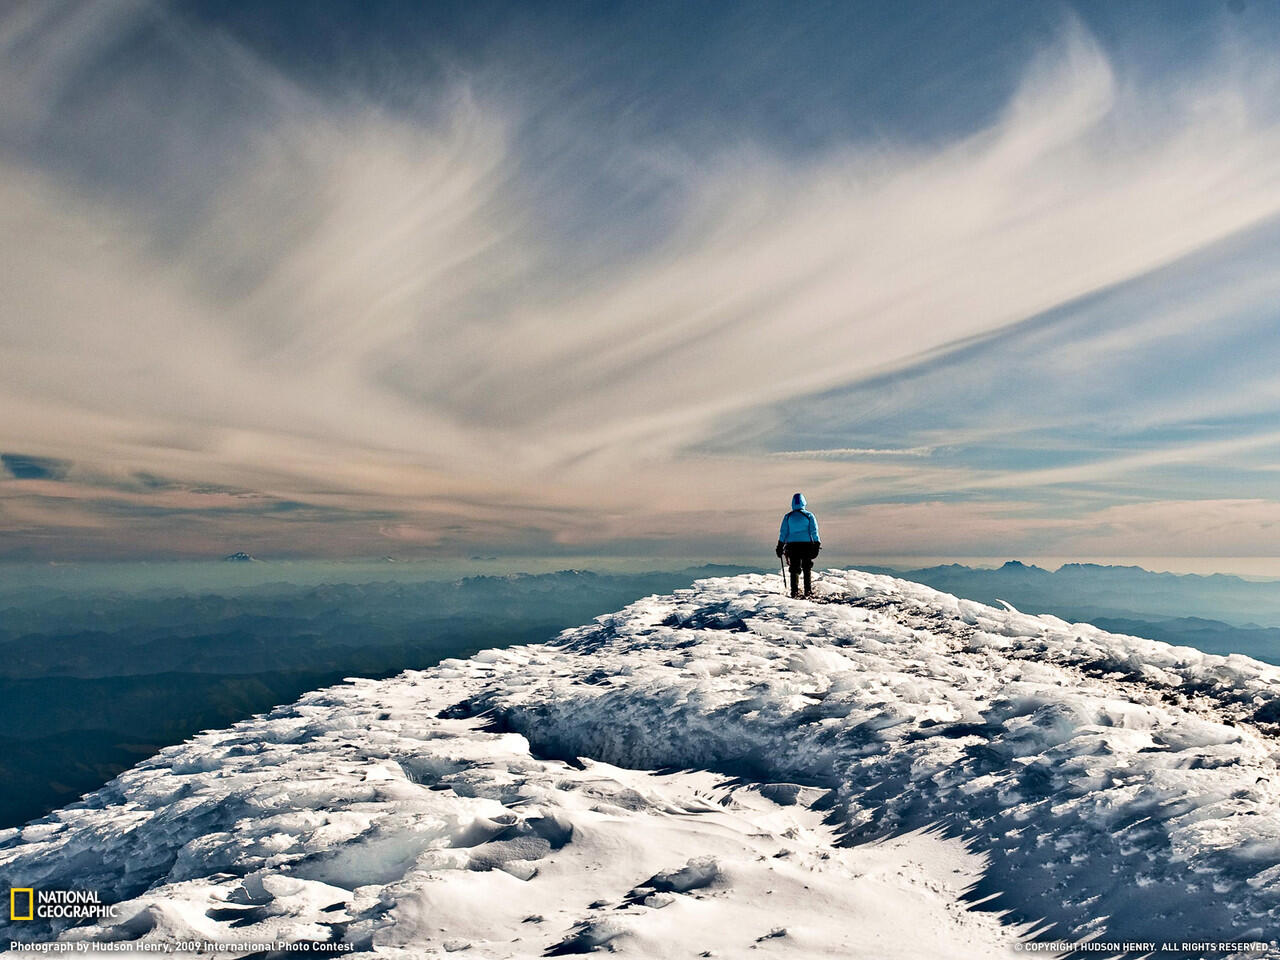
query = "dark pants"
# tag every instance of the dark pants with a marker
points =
(800, 557)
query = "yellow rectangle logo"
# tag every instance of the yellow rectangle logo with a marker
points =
(13, 903)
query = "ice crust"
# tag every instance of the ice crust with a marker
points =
(723, 769)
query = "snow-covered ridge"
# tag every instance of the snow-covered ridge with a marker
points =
(1071, 782)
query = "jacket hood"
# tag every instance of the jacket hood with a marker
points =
(798, 502)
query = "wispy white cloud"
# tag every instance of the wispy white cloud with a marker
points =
(366, 312)
(1010, 529)
(850, 453)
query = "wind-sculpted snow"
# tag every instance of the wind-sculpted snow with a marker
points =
(742, 749)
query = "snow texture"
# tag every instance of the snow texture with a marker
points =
(891, 771)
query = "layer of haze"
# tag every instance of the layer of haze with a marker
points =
(982, 279)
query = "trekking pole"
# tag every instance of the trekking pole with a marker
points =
(783, 567)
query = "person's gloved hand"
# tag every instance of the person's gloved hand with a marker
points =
(778, 552)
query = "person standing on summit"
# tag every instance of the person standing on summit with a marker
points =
(799, 542)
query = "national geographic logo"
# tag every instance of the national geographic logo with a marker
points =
(27, 903)
(18, 896)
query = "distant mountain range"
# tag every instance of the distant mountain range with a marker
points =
(1089, 591)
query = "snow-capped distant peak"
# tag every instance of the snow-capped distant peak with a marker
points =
(700, 772)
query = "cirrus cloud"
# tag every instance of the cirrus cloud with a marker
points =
(323, 301)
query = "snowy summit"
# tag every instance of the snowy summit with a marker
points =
(723, 772)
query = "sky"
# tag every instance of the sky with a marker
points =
(337, 279)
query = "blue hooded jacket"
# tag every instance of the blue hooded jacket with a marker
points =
(799, 525)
